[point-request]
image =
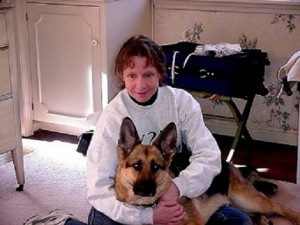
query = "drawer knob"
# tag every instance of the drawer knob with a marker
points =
(94, 42)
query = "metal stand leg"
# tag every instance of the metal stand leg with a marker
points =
(241, 120)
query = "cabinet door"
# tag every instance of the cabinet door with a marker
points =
(3, 33)
(65, 63)
(5, 84)
(7, 126)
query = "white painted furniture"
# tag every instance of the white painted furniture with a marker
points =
(10, 131)
(72, 45)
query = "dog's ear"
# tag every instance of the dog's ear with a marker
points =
(128, 136)
(166, 141)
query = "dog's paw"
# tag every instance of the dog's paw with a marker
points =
(266, 187)
(260, 219)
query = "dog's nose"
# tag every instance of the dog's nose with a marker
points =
(145, 188)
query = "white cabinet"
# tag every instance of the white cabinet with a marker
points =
(8, 138)
(10, 131)
(65, 63)
(72, 48)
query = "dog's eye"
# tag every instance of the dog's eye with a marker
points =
(155, 167)
(137, 165)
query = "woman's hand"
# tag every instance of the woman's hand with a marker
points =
(169, 211)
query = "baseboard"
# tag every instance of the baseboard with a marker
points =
(228, 129)
(61, 128)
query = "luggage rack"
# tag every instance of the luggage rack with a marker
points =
(239, 118)
(238, 76)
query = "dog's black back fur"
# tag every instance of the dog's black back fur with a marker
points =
(220, 183)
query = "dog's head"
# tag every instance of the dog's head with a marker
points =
(143, 170)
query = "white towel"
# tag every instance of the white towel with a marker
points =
(290, 71)
(220, 49)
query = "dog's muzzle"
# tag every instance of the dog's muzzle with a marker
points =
(145, 188)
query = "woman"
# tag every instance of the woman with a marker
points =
(140, 70)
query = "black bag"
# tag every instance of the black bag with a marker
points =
(84, 141)
(237, 75)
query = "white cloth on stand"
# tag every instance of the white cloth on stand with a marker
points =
(290, 71)
(221, 49)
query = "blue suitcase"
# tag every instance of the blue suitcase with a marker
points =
(237, 75)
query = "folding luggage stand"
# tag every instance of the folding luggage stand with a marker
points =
(239, 118)
(240, 76)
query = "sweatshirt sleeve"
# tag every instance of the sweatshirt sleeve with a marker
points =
(101, 167)
(205, 162)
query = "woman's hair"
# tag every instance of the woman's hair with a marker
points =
(143, 46)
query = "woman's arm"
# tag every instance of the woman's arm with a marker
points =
(205, 162)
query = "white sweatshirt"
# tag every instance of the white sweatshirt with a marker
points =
(171, 105)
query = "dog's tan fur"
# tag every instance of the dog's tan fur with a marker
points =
(143, 166)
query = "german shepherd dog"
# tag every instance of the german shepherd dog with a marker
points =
(144, 174)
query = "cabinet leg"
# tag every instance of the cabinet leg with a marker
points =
(17, 156)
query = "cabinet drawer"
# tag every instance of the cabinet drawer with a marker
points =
(7, 126)
(3, 30)
(5, 84)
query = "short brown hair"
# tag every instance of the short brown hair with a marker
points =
(143, 46)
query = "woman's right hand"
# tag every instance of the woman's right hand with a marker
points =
(168, 213)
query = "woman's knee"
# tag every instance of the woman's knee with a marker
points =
(227, 215)
(96, 218)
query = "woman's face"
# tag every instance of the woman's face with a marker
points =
(141, 81)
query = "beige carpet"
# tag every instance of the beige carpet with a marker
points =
(289, 195)
(6, 157)
(55, 179)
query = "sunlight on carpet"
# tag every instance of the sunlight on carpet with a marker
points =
(57, 151)
(55, 178)
(260, 169)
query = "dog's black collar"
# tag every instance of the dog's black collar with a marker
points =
(148, 206)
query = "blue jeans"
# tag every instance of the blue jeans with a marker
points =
(72, 221)
(98, 218)
(95, 218)
(225, 215)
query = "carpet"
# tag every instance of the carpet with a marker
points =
(55, 179)
(289, 195)
(6, 157)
